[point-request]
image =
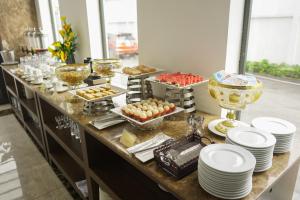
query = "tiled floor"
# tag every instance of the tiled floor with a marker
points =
(24, 173)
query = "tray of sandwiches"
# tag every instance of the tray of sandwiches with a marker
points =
(98, 92)
(138, 71)
(178, 80)
(147, 111)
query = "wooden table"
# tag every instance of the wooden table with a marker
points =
(105, 163)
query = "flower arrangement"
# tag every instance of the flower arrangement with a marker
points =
(64, 50)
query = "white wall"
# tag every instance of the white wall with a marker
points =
(187, 36)
(76, 13)
(275, 31)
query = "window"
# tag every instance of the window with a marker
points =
(273, 55)
(55, 15)
(45, 20)
(120, 19)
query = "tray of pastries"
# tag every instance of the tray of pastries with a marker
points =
(178, 80)
(139, 71)
(147, 111)
(98, 92)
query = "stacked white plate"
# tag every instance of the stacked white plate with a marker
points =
(260, 143)
(283, 131)
(225, 171)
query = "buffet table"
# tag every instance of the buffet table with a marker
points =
(104, 162)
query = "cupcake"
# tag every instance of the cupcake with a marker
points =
(172, 106)
(149, 115)
(126, 111)
(143, 117)
(155, 112)
(161, 110)
(167, 109)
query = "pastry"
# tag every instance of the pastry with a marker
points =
(96, 92)
(145, 69)
(131, 71)
(148, 109)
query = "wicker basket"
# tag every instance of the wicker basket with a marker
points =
(171, 167)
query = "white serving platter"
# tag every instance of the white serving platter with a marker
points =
(120, 91)
(118, 111)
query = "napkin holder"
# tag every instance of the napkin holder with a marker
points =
(170, 165)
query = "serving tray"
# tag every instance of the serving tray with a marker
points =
(173, 86)
(118, 111)
(142, 75)
(120, 91)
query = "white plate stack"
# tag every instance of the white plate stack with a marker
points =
(283, 131)
(258, 142)
(225, 171)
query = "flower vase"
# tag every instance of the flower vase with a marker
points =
(70, 59)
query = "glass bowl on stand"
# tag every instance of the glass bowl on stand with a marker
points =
(105, 67)
(233, 98)
(73, 75)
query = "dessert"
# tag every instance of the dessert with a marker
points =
(179, 79)
(128, 139)
(148, 109)
(141, 69)
(145, 69)
(96, 92)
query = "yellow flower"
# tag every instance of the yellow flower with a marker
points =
(62, 33)
(62, 56)
(67, 27)
(50, 50)
(63, 18)
(71, 35)
(56, 44)
(67, 44)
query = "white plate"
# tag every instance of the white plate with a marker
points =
(221, 194)
(212, 124)
(227, 158)
(281, 151)
(60, 89)
(257, 151)
(274, 125)
(226, 188)
(223, 176)
(251, 137)
(36, 83)
(118, 111)
(263, 168)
